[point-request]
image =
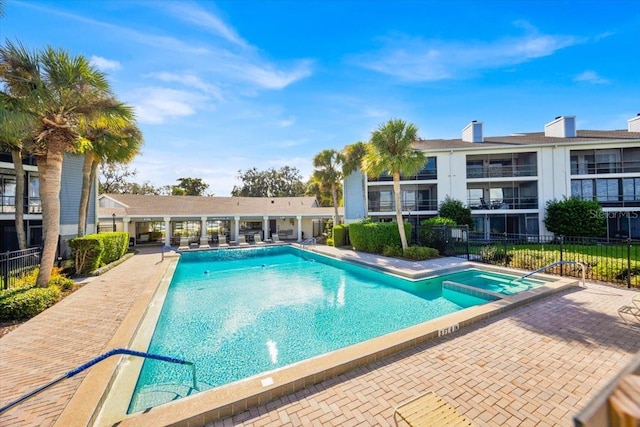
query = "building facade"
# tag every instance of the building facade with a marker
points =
(508, 180)
(69, 202)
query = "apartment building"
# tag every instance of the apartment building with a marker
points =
(69, 202)
(508, 180)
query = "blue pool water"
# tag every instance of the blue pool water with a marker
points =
(494, 282)
(238, 313)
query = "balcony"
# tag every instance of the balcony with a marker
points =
(500, 171)
(384, 206)
(592, 168)
(504, 203)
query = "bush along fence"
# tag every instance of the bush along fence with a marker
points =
(15, 264)
(606, 260)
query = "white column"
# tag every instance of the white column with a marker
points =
(167, 230)
(203, 226)
(265, 228)
(236, 228)
(125, 226)
(299, 218)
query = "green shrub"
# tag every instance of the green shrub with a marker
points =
(330, 241)
(93, 251)
(456, 211)
(392, 251)
(26, 302)
(374, 236)
(340, 235)
(575, 217)
(419, 253)
(64, 283)
(433, 232)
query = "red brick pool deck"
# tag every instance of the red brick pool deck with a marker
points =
(538, 364)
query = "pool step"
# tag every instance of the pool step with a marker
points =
(158, 394)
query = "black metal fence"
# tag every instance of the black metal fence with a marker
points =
(606, 260)
(15, 264)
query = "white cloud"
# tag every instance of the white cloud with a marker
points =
(189, 80)
(104, 64)
(196, 15)
(589, 76)
(416, 59)
(266, 76)
(156, 105)
(285, 123)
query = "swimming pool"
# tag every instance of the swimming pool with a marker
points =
(491, 281)
(238, 313)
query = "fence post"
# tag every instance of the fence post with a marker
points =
(506, 263)
(561, 256)
(629, 262)
(466, 230)
(6, 270)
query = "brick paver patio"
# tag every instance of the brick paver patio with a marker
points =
(534, 365)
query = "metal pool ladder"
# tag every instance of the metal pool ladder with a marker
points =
(309, 241)
(553, 264)
(100, 358)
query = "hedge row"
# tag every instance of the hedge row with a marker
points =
(340, 235)
(374, 236)
(93, 251)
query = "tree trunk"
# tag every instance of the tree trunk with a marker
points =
(50, 172)
(16, 156)
(398, 203)
(334, 196)
(92, 180)
(85, 193)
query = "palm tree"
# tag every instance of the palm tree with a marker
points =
(58, 94)
(391, 150)
(16, 129)
(328, 173)
(112, 139)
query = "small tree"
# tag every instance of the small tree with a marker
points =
(455, 210)
(575, 217)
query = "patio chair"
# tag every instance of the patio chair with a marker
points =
(222, 241)
(242, 240)
(429, 409)
(631, 310)
(275, 238)
(258, 239)
(184, 244)
(204, 242)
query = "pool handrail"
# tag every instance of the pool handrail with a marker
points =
(553, 264)
(309, 241)
(112, 352)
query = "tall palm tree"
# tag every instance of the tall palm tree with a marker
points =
(16, 129)
(391, 150)
(328, 171)
(110, 139)
(61, 91)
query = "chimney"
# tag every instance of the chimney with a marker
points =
(473, 132)
(634, 124)
(561, 127)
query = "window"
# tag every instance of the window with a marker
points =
(607, 190)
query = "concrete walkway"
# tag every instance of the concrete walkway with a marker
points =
(534, 365)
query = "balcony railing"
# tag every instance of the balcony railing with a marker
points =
(422, 176)
(32, 205)
(521, 203)
(500, 171)
(425, 205)
(592, 168)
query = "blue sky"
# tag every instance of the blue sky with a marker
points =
(222, 86)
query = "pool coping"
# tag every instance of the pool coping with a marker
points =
(228, 400)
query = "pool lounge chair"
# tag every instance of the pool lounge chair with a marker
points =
(258, 239)
(184, 244)
(204, 242)
(631, 310)
(429, 409)
(242, 240)
(222, 241)
(275, 238)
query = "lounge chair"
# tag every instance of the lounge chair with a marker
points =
(258, 239)
(631, 310)
(275, 238)
(222, 241)
(242, 240)
(429, 409)
(184, 244)
(204, 242)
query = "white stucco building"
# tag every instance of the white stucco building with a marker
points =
(508, 180)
